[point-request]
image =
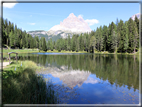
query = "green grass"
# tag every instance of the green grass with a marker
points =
(63, 51)
(19, 51)
(5, 51)
(24, 86)
(106, 52)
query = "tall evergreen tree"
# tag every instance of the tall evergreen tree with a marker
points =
(51, 44)
(130, 28)
(69, 43)
(77, 44)
(121, 31)
(114, 41)
(135, 40)
(44, 48)
(126, 38)
(11, 36)
(105, 35)
(93, 42)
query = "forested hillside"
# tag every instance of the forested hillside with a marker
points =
(14, 37)
(119, 37)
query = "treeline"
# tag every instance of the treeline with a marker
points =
(119, 37)
(16, 38)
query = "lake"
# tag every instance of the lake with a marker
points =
(90, 78)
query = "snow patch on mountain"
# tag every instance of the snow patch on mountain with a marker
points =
(135, 15)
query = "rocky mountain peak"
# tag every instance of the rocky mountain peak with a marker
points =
(135, 15)
(80, 18)
(73, 24)
(71, 15)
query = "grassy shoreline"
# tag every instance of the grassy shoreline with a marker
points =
(96, 52)
(5, 51)
(21, 85)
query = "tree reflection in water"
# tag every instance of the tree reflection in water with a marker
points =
(120, 70)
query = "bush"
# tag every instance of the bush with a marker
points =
(23, 86)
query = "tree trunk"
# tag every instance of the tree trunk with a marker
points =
(134, 50)
(7, 41)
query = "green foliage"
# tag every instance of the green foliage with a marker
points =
(114, 41)
(126, 38)
(23, 86)
(16, 38)
(119, 37)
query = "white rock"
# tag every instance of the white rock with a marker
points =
(72, 24)
(135, 15)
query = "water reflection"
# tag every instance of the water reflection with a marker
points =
(72, 78)
(108, 79)
(118, 69)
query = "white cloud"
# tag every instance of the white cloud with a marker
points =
(9, 5)
(91, 80)
(91, 21)
(31, 23)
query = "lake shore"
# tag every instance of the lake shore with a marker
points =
(24, 86)
(6, 51)
(96, 52)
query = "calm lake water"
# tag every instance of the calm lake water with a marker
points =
(90, 78)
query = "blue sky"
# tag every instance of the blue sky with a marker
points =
(43, 16)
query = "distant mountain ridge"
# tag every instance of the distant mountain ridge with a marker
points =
(71, 25)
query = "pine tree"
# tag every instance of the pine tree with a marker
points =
(81, 44)
(114, 41)
(135, 40)
(11, 36)
(105, 35)
(32, 43)
(77, 45)
(40, 44)
(44, 48)
(73, 45)
(51, 44)
(6, 31)
(121, 31)
(126, 38)
(101, 39)
(65, 44)
(93, 42)
(97, 39)
(48, 45)
(69, 43)
(130, 28)
(137, 23)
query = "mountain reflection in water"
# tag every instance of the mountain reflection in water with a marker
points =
(95, 79)
(71, 78)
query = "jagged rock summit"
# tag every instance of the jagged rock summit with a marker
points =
(135, 15)
(72, 24)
